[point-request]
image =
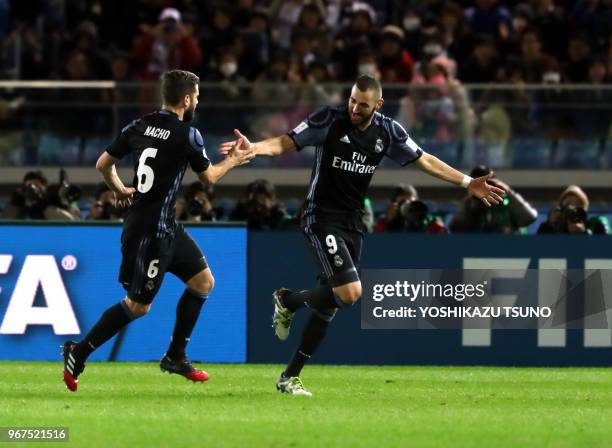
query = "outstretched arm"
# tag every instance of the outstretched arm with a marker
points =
(270, 147)
(478, 187)
(236, 156)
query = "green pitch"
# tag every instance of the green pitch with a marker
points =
(135, 405)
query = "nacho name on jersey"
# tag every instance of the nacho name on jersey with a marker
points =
(356, 165)
(152, 131)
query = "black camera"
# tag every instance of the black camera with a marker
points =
(195, 207)
(415, 215)
(33, 195)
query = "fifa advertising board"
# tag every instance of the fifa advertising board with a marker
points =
(56, 280)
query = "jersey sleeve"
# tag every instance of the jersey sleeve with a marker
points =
(120, 147)
(196, 153)
(402, 149)
(313, 130)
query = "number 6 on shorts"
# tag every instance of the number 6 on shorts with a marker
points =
(153, 269)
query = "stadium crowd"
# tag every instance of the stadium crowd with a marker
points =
(276, 44)
(481, 41)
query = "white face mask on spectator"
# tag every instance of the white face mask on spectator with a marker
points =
(411, 23)
(228, 68)
(367, 69)
(551, 78)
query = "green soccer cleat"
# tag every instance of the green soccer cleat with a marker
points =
(281, 320)
(292, 385)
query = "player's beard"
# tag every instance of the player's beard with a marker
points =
(188, 114)
(362, 121)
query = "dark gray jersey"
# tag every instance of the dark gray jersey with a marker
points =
(347, 157)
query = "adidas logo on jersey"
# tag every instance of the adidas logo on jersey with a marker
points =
(345, 139)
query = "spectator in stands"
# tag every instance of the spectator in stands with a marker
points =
(482, 65)
(487, 17)
(221, 32)
(167, 45)
(256, 42)
(509, 217)
(226, 72)
(366, 64)
(103, 206)
(260, 209)
(549, 18)
(434, 108)
(516, 102)
(533, 60)
(246, 9)
(570, 215)
(592, 16)
(274, 84)
(576, 70)
(86, 40)
(592, 116)
(494, 127)
(522, 17)
(311, 24)
(317, 89)
(302, 54)
(33, 201)
(394, 63)
(198, 205)
(285, 14)
(455, 33)
(354, 39)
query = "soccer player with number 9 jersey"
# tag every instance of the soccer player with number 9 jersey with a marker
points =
(350, 143)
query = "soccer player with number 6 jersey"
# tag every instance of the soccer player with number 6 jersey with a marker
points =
(350, 143)
(163, 144)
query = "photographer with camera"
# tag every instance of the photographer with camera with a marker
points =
(260, 209)
(511, 216)
(570, 215)
(198, 204)
(406, 213)
(35, 199)
(104, 205)
(392, 220)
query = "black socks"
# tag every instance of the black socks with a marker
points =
(114, 319)
(320, 298)
(187, 313)
(314, 332)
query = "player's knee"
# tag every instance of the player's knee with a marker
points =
(137, 309)
(351, 295)
(203, 282)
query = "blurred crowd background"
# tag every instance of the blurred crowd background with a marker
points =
(481, 41)
(483, 84)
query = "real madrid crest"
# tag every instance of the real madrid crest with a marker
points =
(379, 145)
(338, 261)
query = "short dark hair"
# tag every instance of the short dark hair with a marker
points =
(367, 82)
(35, 175)
(176, 84)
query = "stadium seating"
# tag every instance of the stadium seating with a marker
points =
(577, 154)
(530, 153)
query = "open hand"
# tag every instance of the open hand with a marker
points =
(242, 142)
(487, 193)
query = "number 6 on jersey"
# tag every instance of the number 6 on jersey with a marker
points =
(144, 172)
